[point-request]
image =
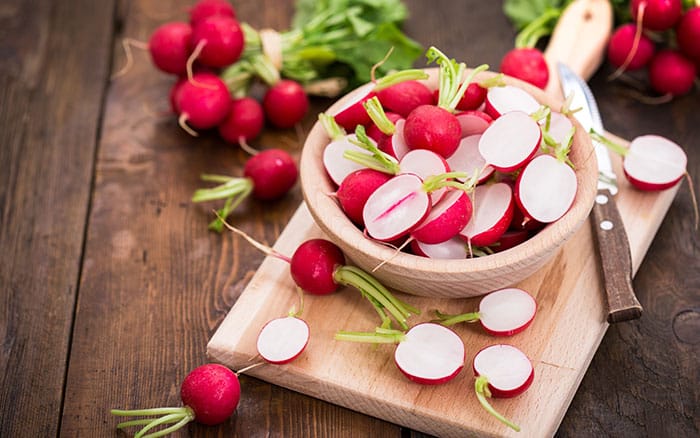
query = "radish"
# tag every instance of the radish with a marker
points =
(210, 394)
(217, 41)
(203, 102)
(336, 165)
(356, 188)
(268, 175)
(504, 312)
(425, 164)
(671, 73)
(492, 214)
(473, 122)
(468, 159)
(388, 132)
(404, 97)
(206, 8)
(503, 99)
(453, 248)
(629, 49)
(527, 64)
(510, 239)
(376, 133)
(285, 103)
(244, 121)
(282, 340)
(556, 128)
(169, 47)
(510, 141)
(501, 371)
(473, 97)
(546, 188)
(395, 145)
(428, 353)
(656, 14)
(688, 34)
(445, 219)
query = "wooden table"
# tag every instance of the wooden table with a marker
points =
(111, 285)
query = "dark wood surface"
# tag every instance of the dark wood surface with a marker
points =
(111, 285)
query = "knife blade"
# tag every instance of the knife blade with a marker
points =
(611, 237)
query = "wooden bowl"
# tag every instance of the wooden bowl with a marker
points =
(445, 278)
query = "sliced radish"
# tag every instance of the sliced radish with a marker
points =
(559, 127)
(336, 165)
(281, 340)
(510, 239)
(493, 211)
(396, 207)
(468, 159)
(653, 162)
(546, 188)
(473, 122)
(450, 249)
(353, 113)
(425, 163)
(446, 219)
(356, 188)
(501, 100)
(430, 354)
(395, 145)
(510, 141)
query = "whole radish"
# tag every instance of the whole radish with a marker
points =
(169, 47)
(244, 121)
(671, 73)
(203, 102)
(622, 46)
(206, 8)
(210, 394)
(285, 103)
(268, 175)
(356, 188)
(404, 97)
(688, 34)
(527, 64)
(219, 40)
(656, 14)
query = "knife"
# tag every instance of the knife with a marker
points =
(612, 242)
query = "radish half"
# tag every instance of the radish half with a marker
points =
(281, 340)
(446, 219)
(425, 163)
(430, 354)
(653, 162)
(510, 141)
(450, 249)
(468, 159)
(492, 214)
(473, 122)
(395, 145)
(336, 165)
(501, 100)
(546, 188)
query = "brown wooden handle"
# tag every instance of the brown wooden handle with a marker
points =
(616, 262)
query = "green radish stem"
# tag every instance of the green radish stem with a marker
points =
(376, 159)
(448, 320)
(180, 416)
(482, 391)
(615, 147)
(234, 190)
(398, 77)
(376, 113)
(380, 336)
(530, 34)
(436, 182)
(332, 128)
(450, 85)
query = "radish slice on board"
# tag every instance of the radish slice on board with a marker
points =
(336, 165)
(546, 188)
(506, 312)
(653, 162)
(430, 354)
(446, 219)
(510, 141)
(468, 159)
(473, 122)
(396, 207)
(425, 163)
(454, 248)
(281, 340)
(500, 100)
(493, 211)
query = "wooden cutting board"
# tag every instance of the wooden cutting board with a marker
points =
(561, 341)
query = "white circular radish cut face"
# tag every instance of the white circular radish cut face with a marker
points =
(396, 207)
(336, 165)
(473, 122)
(507, 311)
(491, 204)
(430, 354)
(467, 159)
(655, 160)
(450, 249)
(360, 94)
(398, 142)
(283, 339)
(509, 98)
(510, 141)
(546, 188)
(559, 127)
(425, 164)
(504, 366)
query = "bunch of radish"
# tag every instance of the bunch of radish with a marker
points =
(411, 166)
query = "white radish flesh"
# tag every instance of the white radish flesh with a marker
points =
(501, 100)
(430, 354)
(395, 145)
(446, 219)
(396, 207)
(546, 188)
(336, 165)
(559, 127)
(468, 159)
(473, 122)
(454, 248)
(493, 211)
(508, 370)
(654, 162)
(281, 340)
(507, 311)
(510, 141)
(425, 163)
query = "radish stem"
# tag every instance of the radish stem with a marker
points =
(376, 113)
(617, 148)
(234, 190)
(448, 320)
(379, 336)
(377, 160)
(334, 131)
(398, 77)
(482, 391)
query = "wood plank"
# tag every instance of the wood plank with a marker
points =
(52, 73)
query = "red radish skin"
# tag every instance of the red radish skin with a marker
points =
(221, 40)
(376, 134)
(273, 172)
(169, 47)
(313, 264)
(282, 340)
(510, 141)
(285, 103)
(353, 113)
(210, 394)
(454, 248)
(653, 162)
(688, 34)
(546, 188)
(492, 214)
(204, 101)
(206, 8)
(658, 14)
(245, 121)
(621, 44)
(446, 219)
(671, 73)
(468, 159)
(510, 239)
(433, 128)
(395, 145)
(356, 188)
(503, 99)
(404, 97)
(473, 122)
(430, 354)
(173, 95)
(527, 64)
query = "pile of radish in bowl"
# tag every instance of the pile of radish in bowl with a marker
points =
(448, 182)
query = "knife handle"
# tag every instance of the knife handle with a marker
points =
(616, 262)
